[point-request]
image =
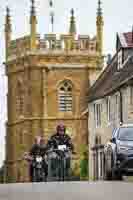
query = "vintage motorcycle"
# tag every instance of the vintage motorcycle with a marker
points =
(38, 164)
(59, 162)
(38, 169)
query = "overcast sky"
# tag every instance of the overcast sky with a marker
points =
(118, 17)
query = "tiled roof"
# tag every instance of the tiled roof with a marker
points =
(129, 39)
(126, 39)
(111, 79)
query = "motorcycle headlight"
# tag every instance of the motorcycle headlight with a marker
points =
(38, 159)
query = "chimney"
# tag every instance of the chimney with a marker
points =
(109, 58)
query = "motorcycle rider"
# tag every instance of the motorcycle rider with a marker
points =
(38, 148)
(43, 150)
(61, 138)
(35, 149)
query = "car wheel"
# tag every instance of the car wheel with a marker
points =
(116, 175)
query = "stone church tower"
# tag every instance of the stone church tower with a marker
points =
(48, 81)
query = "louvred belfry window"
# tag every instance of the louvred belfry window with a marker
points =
(65, 97)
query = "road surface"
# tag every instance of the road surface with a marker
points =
(68, 191)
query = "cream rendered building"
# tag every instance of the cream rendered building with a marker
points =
(48, 83)
(110, 102)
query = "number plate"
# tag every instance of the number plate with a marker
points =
(62, 147)
(38, 159)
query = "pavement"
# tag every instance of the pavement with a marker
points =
(67, 191)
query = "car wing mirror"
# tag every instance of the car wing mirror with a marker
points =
(113, 140)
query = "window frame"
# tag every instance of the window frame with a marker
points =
(65, 98)
(108, 105)
(97, 114)
(131, 94)
(120, 59)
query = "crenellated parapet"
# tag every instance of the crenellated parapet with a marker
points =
(71, 42)
(52, 43)
(19, 46)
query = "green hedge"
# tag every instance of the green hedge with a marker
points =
(84, 162)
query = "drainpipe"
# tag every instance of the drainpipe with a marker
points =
(121, 107)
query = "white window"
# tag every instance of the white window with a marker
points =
(117, 105)
(131, 94)
(65, 97)
(97, 114)
(108, 109)
(119, 60)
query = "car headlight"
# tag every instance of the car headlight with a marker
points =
(122, 149)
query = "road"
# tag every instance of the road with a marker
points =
(68, 191)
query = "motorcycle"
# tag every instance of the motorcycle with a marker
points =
(38, 169)
(38, 162)
(61, 156)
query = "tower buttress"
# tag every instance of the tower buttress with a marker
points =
(99, 24)
(8, 31)
(33, 22)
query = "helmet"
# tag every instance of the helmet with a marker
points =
(60, 127)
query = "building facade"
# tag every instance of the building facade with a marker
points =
(48, 81)
(111, 97)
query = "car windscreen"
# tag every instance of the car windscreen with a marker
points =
(125, 134)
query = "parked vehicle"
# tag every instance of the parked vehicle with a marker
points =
(118, 153)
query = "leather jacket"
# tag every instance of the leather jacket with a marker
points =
(57, 139)
(38, 150)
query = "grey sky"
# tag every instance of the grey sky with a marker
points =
(118, 17)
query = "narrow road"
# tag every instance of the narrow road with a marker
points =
(68, 191)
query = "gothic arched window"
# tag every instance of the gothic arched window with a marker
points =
(20, 99)
(65, 96)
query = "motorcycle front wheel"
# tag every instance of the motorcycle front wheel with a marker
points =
(61, 169)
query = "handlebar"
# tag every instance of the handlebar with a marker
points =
(52, 150)
(30, 157)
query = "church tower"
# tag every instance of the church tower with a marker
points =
(48, 83)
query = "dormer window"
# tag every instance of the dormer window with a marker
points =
(119, 59)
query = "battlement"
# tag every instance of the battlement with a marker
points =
(52, 43)
(69, 43)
